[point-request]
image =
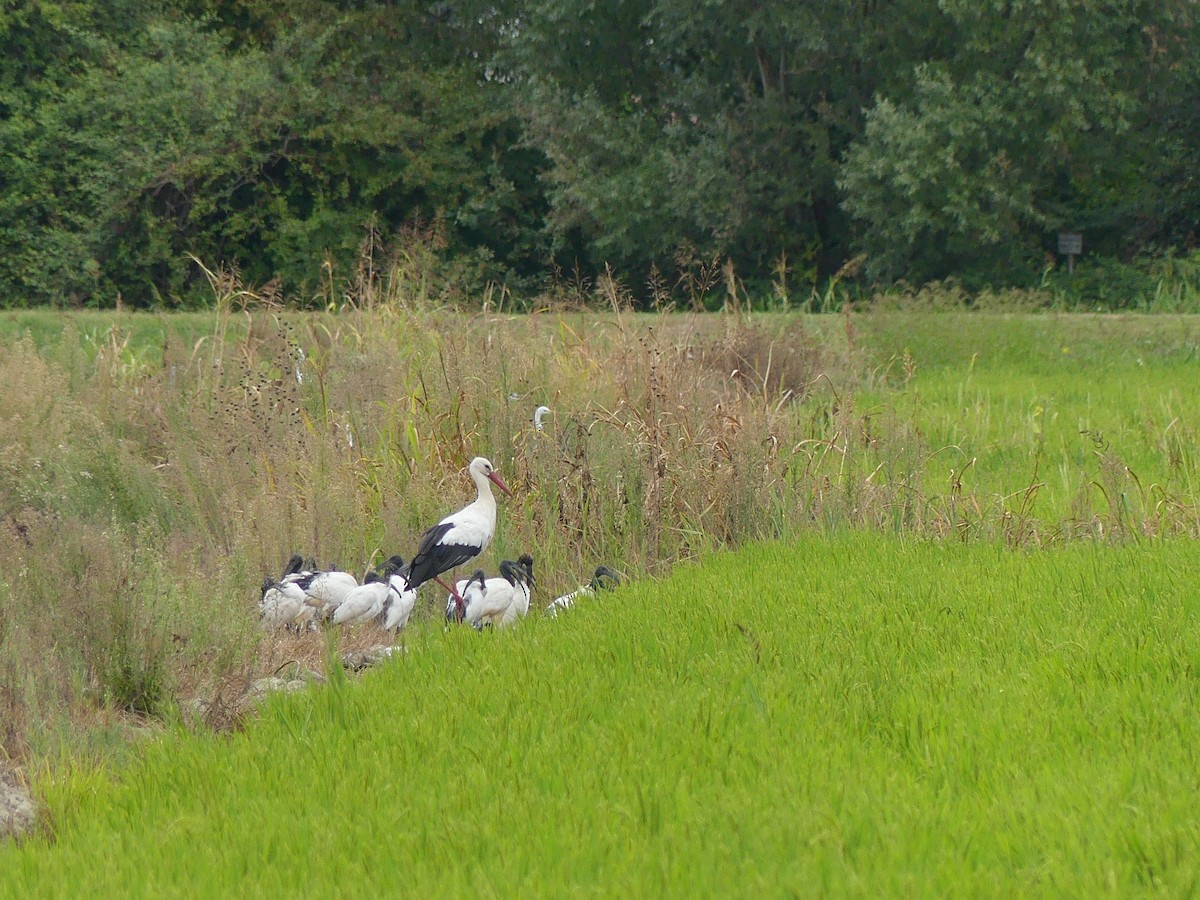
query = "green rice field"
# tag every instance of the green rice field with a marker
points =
(850, 715)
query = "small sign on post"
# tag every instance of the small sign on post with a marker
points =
(1070, 244)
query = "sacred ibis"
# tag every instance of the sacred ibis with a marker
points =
(518, 607)
(399, 605)
(282, 602)
(473, 593)
(494, 601)
(325, 591)
(367, 600)
(604, 579)
(281, 605)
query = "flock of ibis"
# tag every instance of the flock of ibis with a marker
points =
(304, 596)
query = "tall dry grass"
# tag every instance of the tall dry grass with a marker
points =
(145, 497)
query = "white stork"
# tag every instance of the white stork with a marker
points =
(461, 536)
(494, 601)
(605, 579)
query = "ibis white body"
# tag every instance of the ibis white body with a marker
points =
(399, 605)
(518, 606)
(282, 604)
(604, 579)
(368, 600)
(363, 603)
(326, 591)
(498, 601)
(486, 601)
(566, 601)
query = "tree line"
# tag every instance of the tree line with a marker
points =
(787, 142)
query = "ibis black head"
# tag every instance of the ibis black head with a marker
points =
(516, 573)
(526, 561)
(372, 577)
(606, 579)
(267, 585)
(295, 563)
(390, 567)
(456, 607)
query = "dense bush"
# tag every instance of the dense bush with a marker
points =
(169, 138)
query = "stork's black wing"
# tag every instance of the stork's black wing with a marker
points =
(433, 557)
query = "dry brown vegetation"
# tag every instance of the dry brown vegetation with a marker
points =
(145, 498)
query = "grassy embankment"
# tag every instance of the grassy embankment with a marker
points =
(856, 714)
(154, 469)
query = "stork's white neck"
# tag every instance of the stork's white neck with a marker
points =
(484, 486)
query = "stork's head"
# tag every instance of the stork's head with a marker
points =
(480, 468)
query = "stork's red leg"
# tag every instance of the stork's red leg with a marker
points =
(460, 605)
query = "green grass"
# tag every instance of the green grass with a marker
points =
(853, 715)
(139, 336)
(1097, 410)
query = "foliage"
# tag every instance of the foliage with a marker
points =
(1038, 120)
(786, 147)
(271, 155)
(717, 131)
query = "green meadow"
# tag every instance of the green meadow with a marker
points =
(851, 714)
(1064, 421)
(909, 606)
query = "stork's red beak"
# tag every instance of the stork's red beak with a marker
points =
(495, 479)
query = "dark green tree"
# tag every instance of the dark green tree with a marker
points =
(251, 135)
(1043, 118)
(717, 127)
